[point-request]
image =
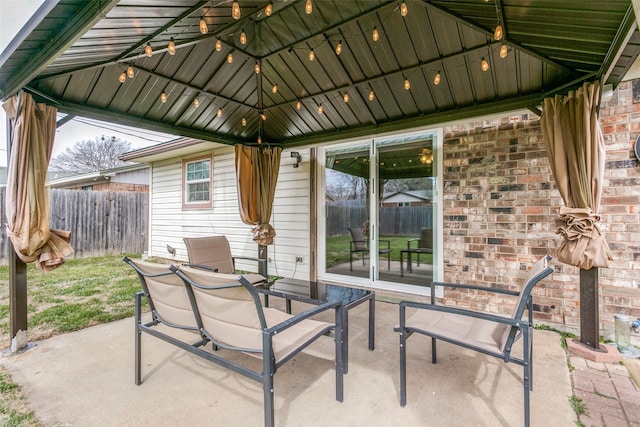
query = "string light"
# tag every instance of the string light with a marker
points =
(243, 37)
(148, 50)
(171, 47)
(375, 35)
(196, 102)
(372, 96)
(163, 97)
(230, 58)
(498, 33)
(298, 105)
(256, 68)
(122, 77)
(259, 140)
(312, 55)
(436, 79)
(403, 9)
(268, 10)
(219, 112)
(130, 72)
(484, 65)
(235, 10)
(204, 28)
(504, 51)
(274, 89)
(339, 48)
(244, 121)
(407, 84)
(345, 97)
(308, 7)
(218, 45)
(320, 109)
(263, 116)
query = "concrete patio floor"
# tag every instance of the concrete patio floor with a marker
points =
(86, 378)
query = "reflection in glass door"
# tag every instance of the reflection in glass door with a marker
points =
(381, 211)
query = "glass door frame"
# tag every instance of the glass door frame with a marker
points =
(371, 281)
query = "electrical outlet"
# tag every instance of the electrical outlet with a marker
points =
(299, 260)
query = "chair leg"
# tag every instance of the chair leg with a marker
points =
(403, 369)
(433, 351)
(350, 261)
(138, 340)
(527, 372)
(341, 350)
(267, 382)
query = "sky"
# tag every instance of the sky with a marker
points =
(13, 15)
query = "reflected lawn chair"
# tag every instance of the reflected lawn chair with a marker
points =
(360, 245)
(422, 245)
(213, 253)
(486, 333)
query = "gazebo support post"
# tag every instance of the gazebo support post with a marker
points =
(17, 302)
(589, 312)
(262, 254)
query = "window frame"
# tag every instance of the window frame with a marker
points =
(186, 205)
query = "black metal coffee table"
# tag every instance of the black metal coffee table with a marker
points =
(318, 293)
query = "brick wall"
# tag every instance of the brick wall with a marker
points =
(500, 205)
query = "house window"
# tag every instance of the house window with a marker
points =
(196, 176)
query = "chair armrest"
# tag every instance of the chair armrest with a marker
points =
(475, 287)
(202, 267)
(459, 311)
(388, 243)
(409, 243)
(302, 316)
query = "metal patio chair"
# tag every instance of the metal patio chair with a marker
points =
(360, 245)
(486, 333)
(421, 245)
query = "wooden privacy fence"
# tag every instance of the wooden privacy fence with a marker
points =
(394, 221)
(101, 223)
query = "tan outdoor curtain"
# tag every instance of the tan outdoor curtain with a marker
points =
(33, 128)
(574, 142)
(257, 171)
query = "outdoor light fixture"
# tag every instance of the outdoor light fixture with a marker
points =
(268, 10)
(308, 7)
(257, 68)
(148, 50)
(372, 96)
(259, 140)
(504, 50)
(312, 55)
(244, 121)
(426, 156)
(298, 157)
(403, 9)
(204, 28)
(436, 79)
(235, 10)
(243, 37)
(375, 35)
(219, 112)
(345, 98)
(320, 109)
(171, 47)
(196, 102)
(407, 84)
(274, 89)
(122, 77)
(498, 33)
(163, 97)
(298, 105)
(339, 48)
(263, 116)
(230, 58)
(484, 65)
(130, 72)
(218, 45)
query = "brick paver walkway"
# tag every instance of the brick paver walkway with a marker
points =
(609, 394)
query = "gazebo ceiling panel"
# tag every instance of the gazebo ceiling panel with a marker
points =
(72, 53)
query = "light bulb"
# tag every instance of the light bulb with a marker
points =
(219, 112)
(263, 116)
(375, 35)
(163, 97)
(504, 51)
(269, 9)
(148, 50)
(312, 55)
(274, 89)
(257, 68)
(436, 79)
(196, 102)
(171, 47)
(122, 77)
(407, 84)
(235, 10)
(339, 48)
(345, 98)
(244, 121)
(243, 37)
(218, 45)
(308, 7)
(403, 9)
(485, 65)
(372, 96)
(497, 34)
(130, 72)
(230, 58)
(259, 140)
(320, 109)
(298, 105)
(204, 28)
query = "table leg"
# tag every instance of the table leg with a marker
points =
(288, 304)
(401, 264)
(409, 262)
(345, 340)
(372, 321)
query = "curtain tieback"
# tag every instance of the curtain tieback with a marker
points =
(263, 234)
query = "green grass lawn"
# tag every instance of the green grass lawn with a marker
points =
(338, 248)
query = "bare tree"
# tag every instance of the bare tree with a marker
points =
(91, 156)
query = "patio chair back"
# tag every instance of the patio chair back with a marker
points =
(211, 251)
(358, 240)
(166, 294)
(426, 238)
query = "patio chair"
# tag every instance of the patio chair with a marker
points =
(229, 314)
(486, 333)
(421, 245)
(360, 245)
(214, 253)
